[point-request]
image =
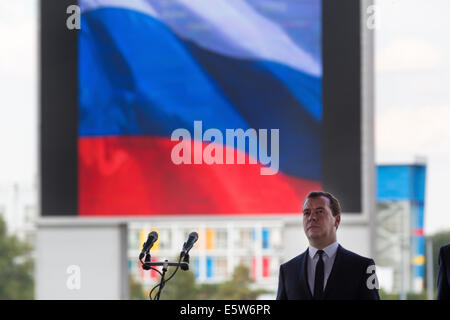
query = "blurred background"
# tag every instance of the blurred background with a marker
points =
(401, 221)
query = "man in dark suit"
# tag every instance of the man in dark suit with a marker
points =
(443, 282)
(326, 271)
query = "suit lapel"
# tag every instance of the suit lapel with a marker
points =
(303, 275)
(335, 272)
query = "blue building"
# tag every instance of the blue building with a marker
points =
(400, 221)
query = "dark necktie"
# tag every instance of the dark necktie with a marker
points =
(319, 276)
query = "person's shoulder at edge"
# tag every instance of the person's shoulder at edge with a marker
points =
(446, 249)
(444, 254)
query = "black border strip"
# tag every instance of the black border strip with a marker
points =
(58, 111)
(341, 142)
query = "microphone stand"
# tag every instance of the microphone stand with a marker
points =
(162, 283)
(147, 265)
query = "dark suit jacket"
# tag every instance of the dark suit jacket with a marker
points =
(347, 280)
(444, 273)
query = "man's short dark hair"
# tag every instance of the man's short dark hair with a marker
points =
(334, 203)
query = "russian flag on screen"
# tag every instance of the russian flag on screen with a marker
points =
(149, 67)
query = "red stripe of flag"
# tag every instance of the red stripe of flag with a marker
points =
(134, 176)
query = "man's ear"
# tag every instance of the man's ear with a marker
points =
(338, 221)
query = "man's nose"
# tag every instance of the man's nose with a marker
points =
(312, 217)
(315, 216)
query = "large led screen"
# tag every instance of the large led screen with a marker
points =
(194, 107)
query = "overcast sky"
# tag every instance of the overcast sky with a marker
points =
(412, 93)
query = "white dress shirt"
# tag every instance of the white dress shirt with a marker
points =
(328, 259)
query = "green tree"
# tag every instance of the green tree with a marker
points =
(137, 292)
(416, 296)
(16, 267)
(181, 287)
(207, 291)
(238, 288)
(388, 296)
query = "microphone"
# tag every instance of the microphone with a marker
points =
(193, 237)
(151, 239)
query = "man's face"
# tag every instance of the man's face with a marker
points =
(318, 221)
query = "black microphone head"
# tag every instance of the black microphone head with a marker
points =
(193, 237)
(153, 235)
(151, 239)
